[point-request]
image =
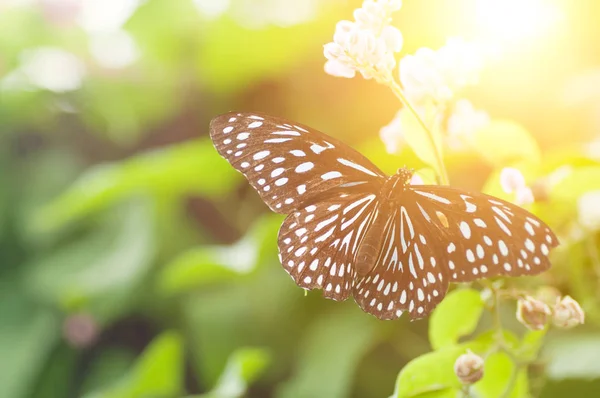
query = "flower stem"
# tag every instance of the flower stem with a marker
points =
(397, 90)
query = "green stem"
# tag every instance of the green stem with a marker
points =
(466, 391)
(397, 90)
(501, 345)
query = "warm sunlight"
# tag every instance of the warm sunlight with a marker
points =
(511, 20)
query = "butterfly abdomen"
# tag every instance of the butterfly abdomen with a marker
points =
(370, 247)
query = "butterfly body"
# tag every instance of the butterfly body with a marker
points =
(351, 230)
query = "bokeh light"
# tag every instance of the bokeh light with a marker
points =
(509, 21)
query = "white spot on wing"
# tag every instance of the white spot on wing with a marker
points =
(331, 174)
(356, 166)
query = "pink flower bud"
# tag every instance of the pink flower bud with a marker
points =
(567, 313)
(511, 180)
(80, 330)
(469, 368)
(533, 313)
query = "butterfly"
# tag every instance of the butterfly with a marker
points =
(352, 230)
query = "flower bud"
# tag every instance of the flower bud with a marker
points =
(80, 330)
(567, 313)
(469, 368)
(532, 313)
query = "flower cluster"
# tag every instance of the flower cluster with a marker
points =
(513, 182)
(366, 45)
(535, 314)
(461, 125)
(464, 122)
(436, 76)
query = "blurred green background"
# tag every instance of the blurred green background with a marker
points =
(135, 262)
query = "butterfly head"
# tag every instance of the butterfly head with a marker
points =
(397, 183)
(405, 175)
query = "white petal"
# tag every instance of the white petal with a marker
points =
(338, 69)
(524, 196)
(392, 38)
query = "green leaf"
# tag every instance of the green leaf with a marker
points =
(177, 170)
(27, 337)
(242, 369)
(497, 373)
(521, 386)
(266, 51)
(444, 393)
(573, 356)
(531, 343)
(107, 368)
(158, 372)
(456, 316)
(433, 371)
(330, 354)
(59, 374)
(418, 138)
(504, 142)
(209, 264)
(576, 183)
(99, 272)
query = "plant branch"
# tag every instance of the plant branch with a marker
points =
(397, 90)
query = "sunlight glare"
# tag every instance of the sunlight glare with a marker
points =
(511, 20)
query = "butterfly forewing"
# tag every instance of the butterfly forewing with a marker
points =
(409, 275)
(482, 236)
(287, 163)
(318, 242)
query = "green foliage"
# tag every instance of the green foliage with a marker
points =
(27, 336)
(573, 357)
(115, 206)
(505, 142)
(158, 371)
(433, 372)
(446, 325)
(243, 367)
(210, 264)
(167, 172)
(329, 355)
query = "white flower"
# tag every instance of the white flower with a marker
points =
(422, 78)
(460, 62)
(366, 45)
(392, 134)
(567, 313)
(375, 15)
(588, 207)
(464, 121)
(512, 181)
(436, 75)
(53, 69)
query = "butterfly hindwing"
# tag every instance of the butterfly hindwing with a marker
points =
(318, 242)
(482, 236)
(409, 274)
